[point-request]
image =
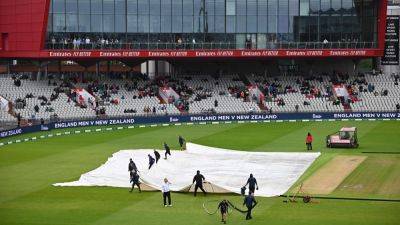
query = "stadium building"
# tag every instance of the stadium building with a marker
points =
(166, 36)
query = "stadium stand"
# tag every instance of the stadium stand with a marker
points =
(51, 99)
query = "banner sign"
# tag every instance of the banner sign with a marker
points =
(201, 118)
(391, 53)
(23, 130)
(212, 53)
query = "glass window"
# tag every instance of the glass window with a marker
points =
(272, 24)
(251, 24)
(96, 6)
(240, 41)
(325, 6)
(336, 5)
(283, 24)
(143, 23)
(120, 23)
(131, 6)
(108, 23)
(252, 7)
(177, 24)
(314, 6)
(132, 23)
(84, 6)
(187, 24)
(262, 24)
(187, 7)
(96, 23)
(166, 7)
(272, 7)
(293, 7)
(347, 4)
(120, 7)
(219, 24)
(220, 7)
(108, 6)
(230, 24)
(155, 7)
(283, 7)
(210, 23)
(262, 7)
(304, 7)
(261, 41)
(59, 6)
(210, 7)
(241, 7)
(50, 23)
(166, 24)
(176, 7)
(230, 7)
(59, 22)
(241, 24)
(84, 22)
(71, 6)
(154, 24)
(143, 7)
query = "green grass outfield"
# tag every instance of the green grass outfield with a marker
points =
(28, 169)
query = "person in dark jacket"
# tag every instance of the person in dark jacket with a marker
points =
(167, 150)
(132, 166)
(151, 161)
(181, 141)
(252, 182)
(223, 207)
(134, 180)
(157, 155)
(198, 178)
(250, 202)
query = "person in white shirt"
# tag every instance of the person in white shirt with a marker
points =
(166, 192)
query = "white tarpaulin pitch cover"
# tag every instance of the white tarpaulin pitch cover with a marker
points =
(275, 172)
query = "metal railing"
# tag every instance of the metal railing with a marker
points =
(210, 45)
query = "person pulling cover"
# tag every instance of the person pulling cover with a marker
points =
(135, 180)
(132, 166)
(250, 203)
(157, 155)
(151, 160)
(252, 182)
(198, 178)
(223, 207)
(167, 150)
(181, 141)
